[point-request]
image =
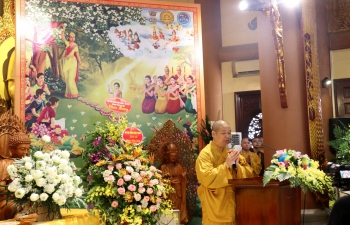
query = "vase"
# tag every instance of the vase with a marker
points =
(47, 213)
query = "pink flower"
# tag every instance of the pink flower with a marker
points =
(146, 198)
(138, 179)
(121, 191)
(281, 164)
(137, 196)
(129, 169)
(149, 191)
(120, 182)
(118, 166)
(132, 187)
(141, 190)
(114, 204)
(280, 152)
(110, 167)
(153, 208)
(127, 177)
(159, 200)
(143, 173)
(111, 178)
(159, 193)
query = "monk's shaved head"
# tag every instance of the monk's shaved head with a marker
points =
(217, 124)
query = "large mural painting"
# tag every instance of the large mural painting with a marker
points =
(85, 62)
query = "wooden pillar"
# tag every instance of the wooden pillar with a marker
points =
(211, 38)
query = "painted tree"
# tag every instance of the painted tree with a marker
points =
(92, 21)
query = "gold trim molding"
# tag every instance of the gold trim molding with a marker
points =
(7, 21)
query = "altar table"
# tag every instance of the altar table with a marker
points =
(71, 217)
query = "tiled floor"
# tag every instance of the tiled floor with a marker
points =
(312, 217)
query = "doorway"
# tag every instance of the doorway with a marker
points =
(342, 97)
(248, 113)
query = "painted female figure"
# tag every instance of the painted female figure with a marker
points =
(40, 84)
(191, 103)
(173, 170)
(35, 107)
(71, 61)
(162, 100)
(48, 115)
(149, 101)
(175, 103)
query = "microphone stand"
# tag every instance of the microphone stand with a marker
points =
(269, 147)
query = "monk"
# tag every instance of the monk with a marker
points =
(19, 145)
(251, 157)
(214, 166)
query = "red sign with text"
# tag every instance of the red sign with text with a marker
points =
(118, 105)
(133, 135)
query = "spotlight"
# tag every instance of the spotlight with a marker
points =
(325, 82)
(291, 3)
(252, 5)
(243, 5)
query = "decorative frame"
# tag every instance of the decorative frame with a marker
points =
(186, 52)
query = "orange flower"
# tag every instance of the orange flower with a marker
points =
(101, 163)
(128, 196)
(151, 158)
(123, 172)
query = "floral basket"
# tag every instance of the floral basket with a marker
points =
(44, 182)
(124, 186)
(299, 169)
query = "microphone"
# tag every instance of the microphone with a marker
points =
(230, 146)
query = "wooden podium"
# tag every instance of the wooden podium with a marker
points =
(274, 204)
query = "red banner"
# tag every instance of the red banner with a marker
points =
(133, 135)
(118, 105)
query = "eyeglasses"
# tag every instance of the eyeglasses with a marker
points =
(257, 141)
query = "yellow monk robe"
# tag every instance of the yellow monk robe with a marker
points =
(255, 161)
(216, 195)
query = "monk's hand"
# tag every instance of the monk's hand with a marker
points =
(248, 159)
(233, 156)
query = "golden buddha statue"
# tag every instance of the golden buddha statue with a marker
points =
(19, 145)
(176, 173)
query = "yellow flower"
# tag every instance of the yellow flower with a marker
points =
(101, 163)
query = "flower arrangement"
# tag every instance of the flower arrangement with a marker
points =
(299, 169)
(46, 180)
(124, 186)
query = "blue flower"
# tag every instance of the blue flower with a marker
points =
(282, 157)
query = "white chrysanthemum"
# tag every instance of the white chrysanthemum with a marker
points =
(27, 159)
(36, 174)
(78, 192)
(46, 156)
(40, 165)
(11, 169)
(64, 178)
(56, 159)
(28, 165)
(51, 171)
(40, 182)
(12, 187)
(29, 178)
(63, 162)
(65, 154)
(77, 180)
(55, 197)
(44, 197)
(39, 155)
(49, 188)
(61, 201)
(46, 138)
(34, 197)
(19, 193)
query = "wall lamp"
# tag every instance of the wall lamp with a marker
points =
(326, 82)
